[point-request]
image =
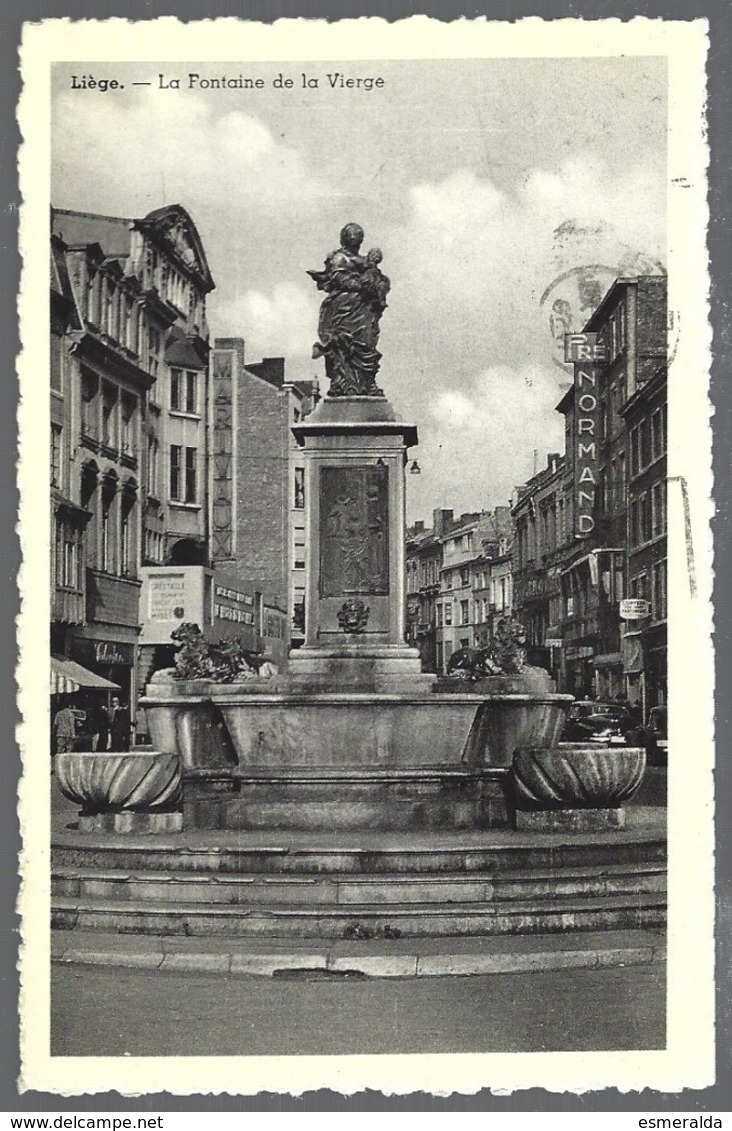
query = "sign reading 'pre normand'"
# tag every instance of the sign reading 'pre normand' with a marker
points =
(586, 415)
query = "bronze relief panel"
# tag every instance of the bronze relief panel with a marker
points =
(354, 531)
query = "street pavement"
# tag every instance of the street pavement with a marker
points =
(102, 1011)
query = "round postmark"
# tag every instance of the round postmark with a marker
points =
(573, 296)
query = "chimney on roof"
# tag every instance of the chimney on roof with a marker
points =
(236, 345)
(442, 520)
(273, 370)
(552, 461)
(419, 527)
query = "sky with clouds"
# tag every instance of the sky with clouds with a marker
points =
(488, 184)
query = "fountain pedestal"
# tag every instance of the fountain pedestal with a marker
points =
(355, 450)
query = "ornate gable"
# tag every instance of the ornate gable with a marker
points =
(174, 229)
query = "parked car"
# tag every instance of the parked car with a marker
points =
(607, 724)
(655, 736)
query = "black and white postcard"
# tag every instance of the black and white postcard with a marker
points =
(365, 668)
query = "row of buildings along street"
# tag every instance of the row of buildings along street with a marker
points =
(177, 489)
(176, 486)
(561, 571)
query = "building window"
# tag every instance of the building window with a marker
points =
(621, 484)
(70, 574)
(109, 417)
(299, 550)
(448, 612)
(613, 335)
(659, 591)
(89, 387)
(658, 507)
(55, 456)
(448, 579)
(633, 523)
(153, 457)
(621, 325)
(184, 391)
(191, 484)
(106, 548)
(126, 334)
(127, 438)
(175, 471)
(299, 487)
(644, 444)
(465, 576)
(658, 432)
(639, 587)
(124, 541)
(153, 351)
(56, 364)
(109, 322)
(465, 612)
(191, 391)
(644, 518)
(67, 557)
(176, 391)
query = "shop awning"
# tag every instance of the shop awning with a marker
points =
(68, 676)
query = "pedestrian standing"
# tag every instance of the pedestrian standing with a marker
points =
(119, 725)
(98, 725)
(64, 729)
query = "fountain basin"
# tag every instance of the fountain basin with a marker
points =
(575, 776)
(335, 729)
(123, 792)
(291, 759)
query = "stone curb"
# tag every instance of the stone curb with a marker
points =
(371, 965)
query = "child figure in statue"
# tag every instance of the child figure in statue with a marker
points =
(348, 326)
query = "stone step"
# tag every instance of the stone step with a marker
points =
(239, 855)
(626, 911)
(387, 888)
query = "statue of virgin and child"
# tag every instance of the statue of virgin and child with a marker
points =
(348, 326)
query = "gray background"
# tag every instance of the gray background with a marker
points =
(12, 16)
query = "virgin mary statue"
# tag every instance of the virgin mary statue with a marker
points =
(348, 326)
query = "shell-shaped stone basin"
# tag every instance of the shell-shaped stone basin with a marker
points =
(101, 782)
(576, 776)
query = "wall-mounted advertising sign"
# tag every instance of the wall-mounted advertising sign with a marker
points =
(585, 351)
(634, 608)
(582, 348)
(167, 596)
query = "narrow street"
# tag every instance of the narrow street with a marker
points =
(103, 1012)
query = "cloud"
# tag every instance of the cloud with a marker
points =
(466, 326)
(281, 322)
(178, 148)
(482, 437)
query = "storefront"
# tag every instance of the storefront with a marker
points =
(609, 676)
(73, 685)
(110, 660)
(580, 671)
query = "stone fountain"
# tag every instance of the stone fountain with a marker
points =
(353, 796)
(353, 734)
